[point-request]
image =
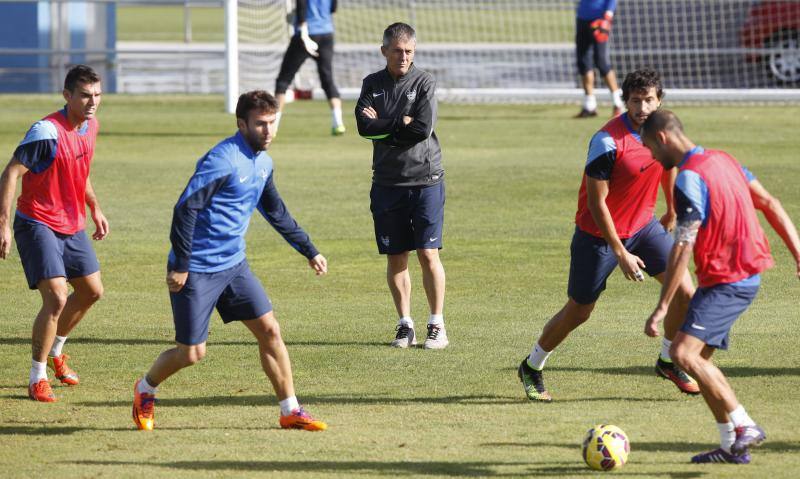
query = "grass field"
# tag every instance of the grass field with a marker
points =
(434, 24)
(512, 178)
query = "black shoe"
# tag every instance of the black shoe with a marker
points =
(584, 113)
(533, 383)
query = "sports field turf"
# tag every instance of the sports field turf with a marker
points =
(512, 178)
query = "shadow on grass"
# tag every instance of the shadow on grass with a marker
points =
(386, 468)
(656, 446)
(169, 342)
(46, 430)
(150, 134)
(311, 399)
(733, 372)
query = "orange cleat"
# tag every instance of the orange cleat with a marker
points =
(300, 419)
(41, 391)
(143, 409)
(62, 372)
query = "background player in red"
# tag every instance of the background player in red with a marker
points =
(54, 160)
(715, 200)
(615, 225)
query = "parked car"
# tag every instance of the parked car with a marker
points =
(774, 26)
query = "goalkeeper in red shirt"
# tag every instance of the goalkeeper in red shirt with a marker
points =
(592, 29)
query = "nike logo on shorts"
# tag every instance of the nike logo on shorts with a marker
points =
(377, 94)
(242, 179)
(701, 328)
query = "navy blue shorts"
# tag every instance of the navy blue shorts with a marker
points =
(46, 254)
(588, 51)
(407, 218)
(713, 311)
(593, 261)
(236, 293)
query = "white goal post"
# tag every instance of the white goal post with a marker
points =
(524, 51)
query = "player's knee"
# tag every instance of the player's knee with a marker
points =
(682, 356)
(93, 295)
(55, 301)
(428, 257)
(281, 86)
(193, 354)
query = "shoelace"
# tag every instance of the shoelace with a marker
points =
(433, 332)
(402, 332)
(42, 387)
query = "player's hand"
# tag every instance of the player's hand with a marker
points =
(631, 266)
(601, 29)
(651, 325)
(176, 280)
(370, 113)
(669, 220)
(5, 242)
(407, 120)
(310, 45)
(319, 264)
(100, 223)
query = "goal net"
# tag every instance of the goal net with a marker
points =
(524, 50)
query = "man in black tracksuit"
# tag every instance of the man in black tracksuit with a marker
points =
(397, 111)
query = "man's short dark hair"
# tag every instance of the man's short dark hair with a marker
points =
(255, 100)
(398, 31)
(660, 120)
(641, 81)
(80, 74)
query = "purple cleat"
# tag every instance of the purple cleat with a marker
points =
(721, 456)
(747, 437)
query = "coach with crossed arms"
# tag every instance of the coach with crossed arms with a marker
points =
(397, 111)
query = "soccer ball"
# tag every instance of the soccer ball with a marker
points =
(606, 448)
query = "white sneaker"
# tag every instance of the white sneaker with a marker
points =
(437, 337)
(405, 337)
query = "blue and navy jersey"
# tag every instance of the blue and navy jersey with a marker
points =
(594, 9)
(212, 215)
(317, 14)
(692, 201)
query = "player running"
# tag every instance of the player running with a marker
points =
(207, 266)
(615, 225)
(715, 199)
(54, 160)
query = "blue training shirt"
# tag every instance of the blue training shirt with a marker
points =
(594, 9)
(212, 215)
(692, 201)
(317, 14)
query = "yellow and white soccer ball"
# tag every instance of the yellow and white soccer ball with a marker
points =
(606, 448)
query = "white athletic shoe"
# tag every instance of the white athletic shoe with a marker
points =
(405, 337)
(437, 337)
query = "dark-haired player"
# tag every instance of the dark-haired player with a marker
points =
(54, 160)
(207, 266)
(615, 225)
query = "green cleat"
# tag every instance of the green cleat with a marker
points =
(533, 383)
(338, 130)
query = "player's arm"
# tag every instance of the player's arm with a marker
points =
(100, 222)
(35, 153)
(369, 125)
(777, 218)
(418, 124)
(668, 186)
(274, 210)
(212, 172)
(597, 191)
(8, 188)
(302, 13)
(677, 263)
(599, 166)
